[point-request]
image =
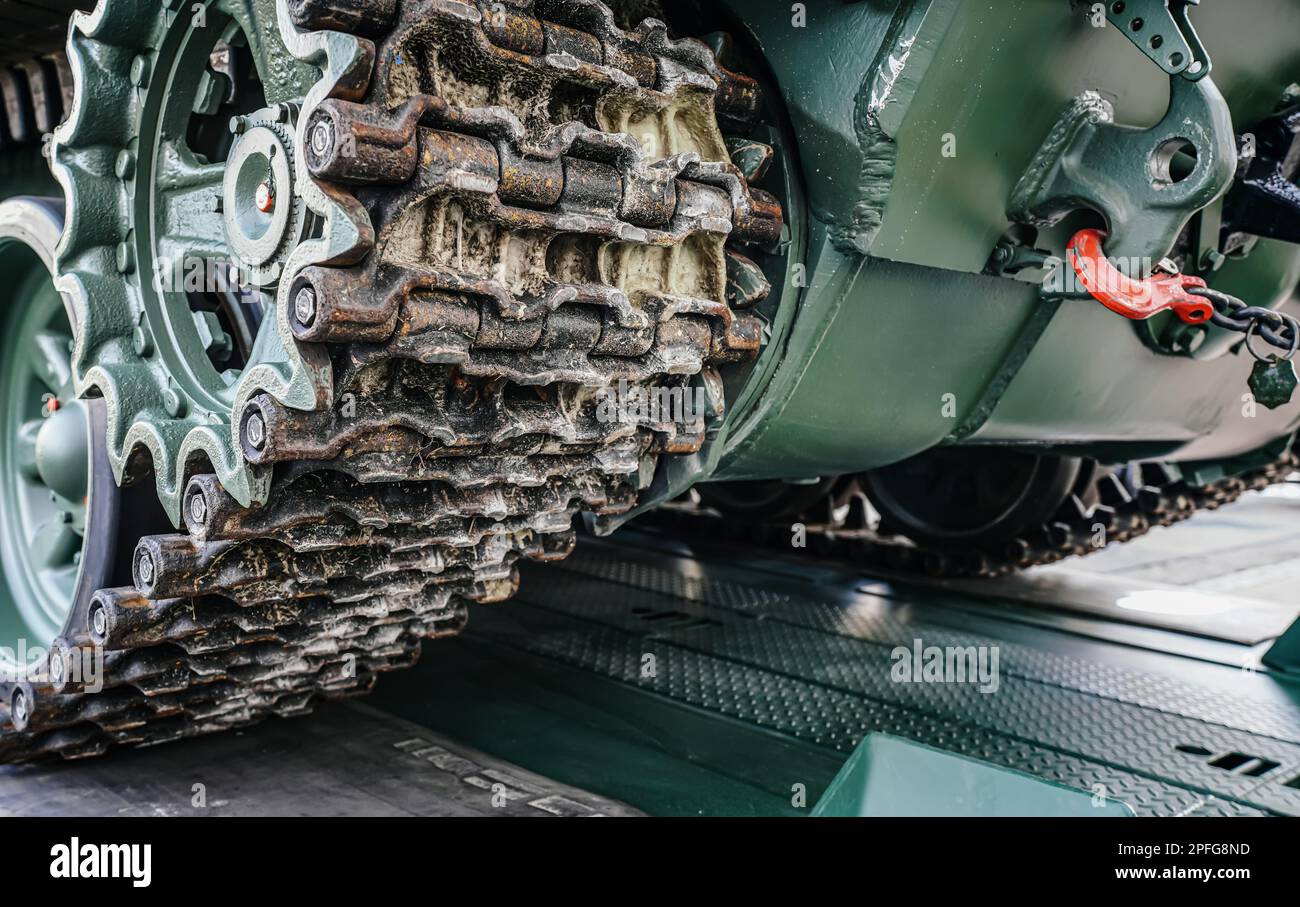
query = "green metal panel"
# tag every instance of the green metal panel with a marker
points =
(890, 776)
(873, 348)
(860, 378)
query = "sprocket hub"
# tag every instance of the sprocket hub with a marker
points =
(263, 216)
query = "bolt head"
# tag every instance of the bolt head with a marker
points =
(173, 403)
(125, 258)
(124, 166)
(56, 666)
(238, 125)
(255, 431)
(304, 306)
(1273, 381)
(140, 71)
(99, 621)
(198, 509)
(322, 138)
(144, 567)
(140, 340)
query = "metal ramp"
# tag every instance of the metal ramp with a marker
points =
(724, 681)
(801, 654)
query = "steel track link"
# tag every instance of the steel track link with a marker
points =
(464, 432)
(35, 81)
(1074, 531)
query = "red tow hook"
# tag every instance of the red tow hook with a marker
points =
(1136, 299)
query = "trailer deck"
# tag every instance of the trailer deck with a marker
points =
(644, 674)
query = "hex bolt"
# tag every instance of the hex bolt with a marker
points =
(144, 567)
(322, 138)
(198, 509)
(238, 125)
(98, 621)
(304, 306)
(1212, 260)
(18, 709)
(56, 667)
(255, 431)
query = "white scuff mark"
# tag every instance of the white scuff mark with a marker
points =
(890, 73)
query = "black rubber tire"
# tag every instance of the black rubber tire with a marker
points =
(37, 224)
(928, 499)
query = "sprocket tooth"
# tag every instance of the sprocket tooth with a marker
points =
(746, 282)
(1074, 510)
(751, 158)
(1111, 490)
(1104, 515)
(722, 46)
(1159, 475)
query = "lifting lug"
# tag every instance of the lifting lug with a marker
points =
(1138, 299)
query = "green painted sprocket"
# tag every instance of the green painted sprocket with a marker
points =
(139, 193)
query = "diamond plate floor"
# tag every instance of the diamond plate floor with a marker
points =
(804, 655)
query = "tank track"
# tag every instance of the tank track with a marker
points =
(35, 82)
(1123, 511)
(517, 269)
(36, 93)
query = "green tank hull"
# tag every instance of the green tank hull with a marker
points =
(903, 339)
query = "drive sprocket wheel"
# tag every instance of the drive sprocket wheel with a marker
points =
(162, 235)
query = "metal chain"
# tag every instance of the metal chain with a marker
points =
(1278, 328)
